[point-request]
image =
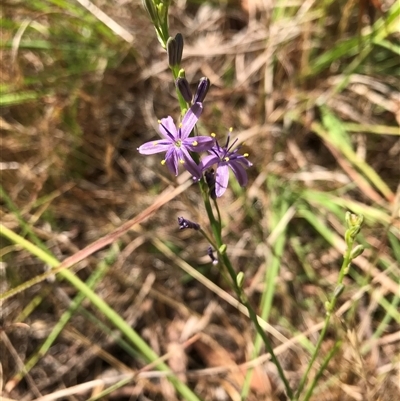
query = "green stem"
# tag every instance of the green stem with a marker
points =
(330, 308)
(213, 222)
(254, 319)
(324, 365)
(219, 220)
(182, 102)
(216, 226)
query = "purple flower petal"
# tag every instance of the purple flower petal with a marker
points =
(190, 120)
(168, 129)
(190, 165)
(208, 161)
(198, 143)
(243, 160)
(172, 160)
(152, 147)
(221, 179)
(239, 171)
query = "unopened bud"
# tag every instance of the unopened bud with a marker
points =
(222, 249)
(183, 86)
(240, 279)
(175, 50)
(357, 251)
(328, 306)
(210, 253)
(353, 220)
(202, 89)
(351, 234)
(179, 47)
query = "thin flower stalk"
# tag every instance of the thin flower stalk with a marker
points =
(354, 224)
(177, 144)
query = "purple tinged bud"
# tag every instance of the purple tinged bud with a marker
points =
(183, 86)
(202, 89)
(210, 253)
(184, 223)
(175, 50)
(179, 47)
(171, 51)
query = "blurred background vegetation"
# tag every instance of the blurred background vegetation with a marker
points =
(312, 88)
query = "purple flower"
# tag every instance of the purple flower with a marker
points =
(224, 158)
(177, 144)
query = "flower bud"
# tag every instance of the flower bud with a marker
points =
(179, 47)
(328, 307)
(202, 89)
(183, 86)
(357, 251)
(222, 249)
(240, 279)
(210, 253)
(175, 50)
(351, 234)
(353, 220)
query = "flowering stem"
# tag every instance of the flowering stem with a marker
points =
(324, 365)
(216, 226)
(219, 216)
(209, 240)
(253, 316)
(182, 103)
(214, 223)
(354, 224)
(221, 249)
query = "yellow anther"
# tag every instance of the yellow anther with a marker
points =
(159, 121)
(226, 159)
(163, 162)
(155, 143)
(181, 161)
(180, 125)
(195, 143)
(246, 155)
(213, 134)
(230, 129)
